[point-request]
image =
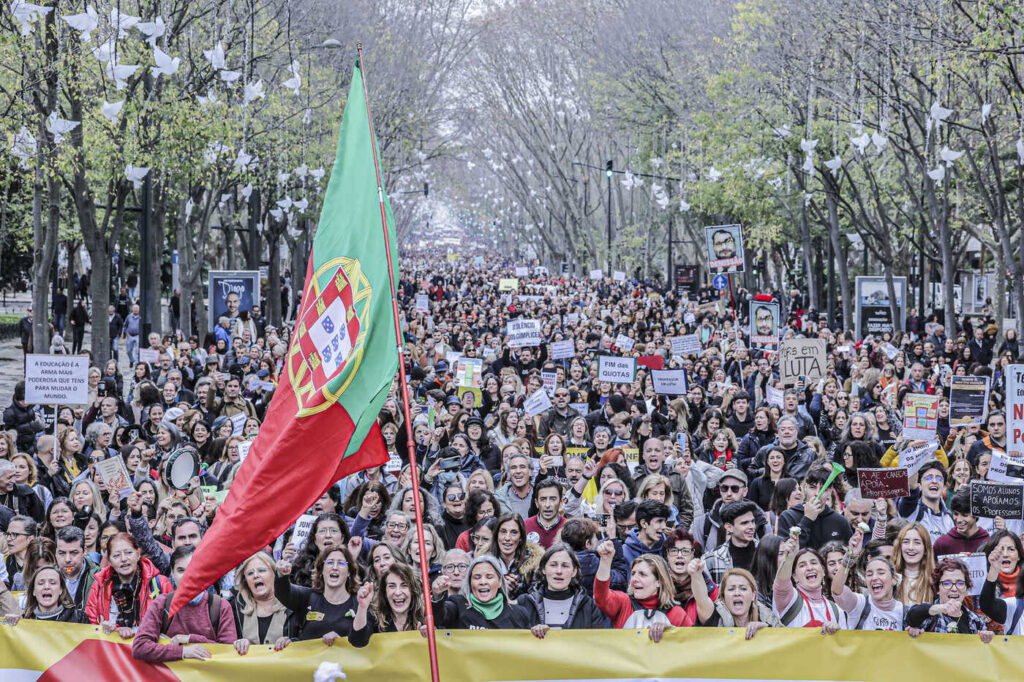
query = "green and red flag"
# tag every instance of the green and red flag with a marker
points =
(322, 422)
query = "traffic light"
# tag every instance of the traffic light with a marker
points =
(426, 189)
(608, 168)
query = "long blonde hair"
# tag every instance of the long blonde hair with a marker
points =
(245, 597)
(921, 592)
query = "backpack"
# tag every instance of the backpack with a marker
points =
(794, 610)
(867, 608)
(213, 604)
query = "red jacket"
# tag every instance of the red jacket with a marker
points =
(97, 606)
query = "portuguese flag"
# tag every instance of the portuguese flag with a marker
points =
(342, 358)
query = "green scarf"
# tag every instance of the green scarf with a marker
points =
(489, 609)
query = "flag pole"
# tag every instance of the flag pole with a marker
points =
(413, 469)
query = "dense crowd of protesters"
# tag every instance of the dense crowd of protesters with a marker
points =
(617, 507)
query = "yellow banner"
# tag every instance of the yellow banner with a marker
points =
(80, 652)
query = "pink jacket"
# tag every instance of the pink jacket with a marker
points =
(192, 619)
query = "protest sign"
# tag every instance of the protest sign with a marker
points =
(623, 342)
(913, 459)
(801, 358)
(150, 356)
(523, 333)
(1015, 410)
(537, 403)
(508, 284)
(469, 372)
(990, 499)
(651, 361)
(968, 400)
(243, 449)
(596, 274)
(301, 532)
(53, 379)
(422, 303)
(561, 350)
(632, 457)
(890, 350)
(616, 370)
(920, 416)
(724, 248)
(582, 408)
(115, 476)
(686, 345)
(237, 423)
(522, 271)
(394, 463)
(549, 380)
(977, 567)
(764, 325)
(619, 276)
(1004, 468)
(883, 483)
(872, 312)
(774, 395)
(669, 381)
(572, 318)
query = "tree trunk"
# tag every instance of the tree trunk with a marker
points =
(45, 238)
(805, 242)
(946, 249)
(184, 267)
(273, 238)
(890, 285)
(99, 287)
(844, 278)
(156, 252)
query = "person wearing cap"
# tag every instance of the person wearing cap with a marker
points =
(416, 378)
(817, 521)
(441, 377)
(707, 528)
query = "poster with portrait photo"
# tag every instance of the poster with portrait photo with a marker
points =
(873, 314)
(764, 325)
(724, 248)
(230, 292)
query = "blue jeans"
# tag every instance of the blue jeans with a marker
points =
(133, 349)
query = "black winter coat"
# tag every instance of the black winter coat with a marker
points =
(583, 611)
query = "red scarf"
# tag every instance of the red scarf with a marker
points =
(1008, 581)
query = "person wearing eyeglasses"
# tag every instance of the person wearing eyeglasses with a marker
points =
(331, 604)
(558, 418)
(455, 568)
(678, 551)
(453, 518)
(924, 504)
(951, 581)
(483, 602)
(20, 530)
(707, 528)
(328, 531)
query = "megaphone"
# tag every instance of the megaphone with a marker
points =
(837, 469)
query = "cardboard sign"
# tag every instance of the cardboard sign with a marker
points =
(968, 400)
(991, 499)
(522, 271)
(1015, 409)
(596, 274)
(523, 333)
(550, 381)
(301, 533)
(883, 483)
(1005, 469)
(619, 276)
(651, 361)
(801, 358)
(616, 370)
(422, 303)
(469, 372)
(912, 459)
(237, 423)
(623, 342)
(53, 379)
(561, 350)
(686, 345)
(508, 284)
(537, 403)
(977, 567)
(669, 381)
(764, 325)
(920, 416)
(115, 476)
(149, 355)
(724, 248)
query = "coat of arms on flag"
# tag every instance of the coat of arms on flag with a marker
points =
(328, 343)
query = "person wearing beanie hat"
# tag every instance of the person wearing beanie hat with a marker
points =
(602, 416)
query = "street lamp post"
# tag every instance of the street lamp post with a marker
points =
(609, 171)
